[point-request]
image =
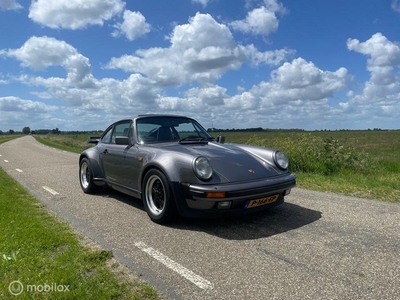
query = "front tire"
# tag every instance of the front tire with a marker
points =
(86, 177)
(157, 197)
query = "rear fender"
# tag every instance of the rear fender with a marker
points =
(91, 155)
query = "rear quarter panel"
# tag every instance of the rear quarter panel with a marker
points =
(93, 155)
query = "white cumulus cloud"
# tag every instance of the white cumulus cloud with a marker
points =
(262, 20)
(74, 14)
(396, 5)
(14, 110)
(381, 93)
(133, 26)
(40, 53)
(200, 51)
(9, 5)
(202, 2)
(384, 59)
(15, 104)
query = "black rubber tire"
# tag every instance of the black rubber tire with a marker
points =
(86, 177)
(157, 197)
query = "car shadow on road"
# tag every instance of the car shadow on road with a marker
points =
(281, 219)
(121, 197)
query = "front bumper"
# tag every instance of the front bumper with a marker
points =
(195, 200)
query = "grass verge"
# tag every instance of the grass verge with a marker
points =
(6, 138)
(384, 188)
(42, 258)
(72, 143)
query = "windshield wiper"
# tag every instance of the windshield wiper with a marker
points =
(193, 139)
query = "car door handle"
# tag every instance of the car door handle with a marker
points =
(105, 151)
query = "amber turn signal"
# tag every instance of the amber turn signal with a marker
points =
(215, 194)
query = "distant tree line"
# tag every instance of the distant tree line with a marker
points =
(8, 132)
(46, 131)
(27, 130)
(254, 129)
(83, 132)
(57, 131)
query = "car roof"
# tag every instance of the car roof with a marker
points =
(151, 116)
(144, 116)
(162, 115)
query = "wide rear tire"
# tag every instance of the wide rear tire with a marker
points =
(86, 177)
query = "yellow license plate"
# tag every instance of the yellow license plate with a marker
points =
(261, 201)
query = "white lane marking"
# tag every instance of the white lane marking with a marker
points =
(19, 170)
(5, 160)
(51, 191)
(181, 270)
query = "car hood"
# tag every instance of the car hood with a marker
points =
(231, 162)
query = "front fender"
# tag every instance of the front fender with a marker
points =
(176, 167)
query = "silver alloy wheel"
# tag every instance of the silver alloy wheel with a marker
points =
(155, 195)
(85, 175)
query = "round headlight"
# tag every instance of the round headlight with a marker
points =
(202, 168)
(281, 160)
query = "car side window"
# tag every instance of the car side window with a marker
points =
(121, 129)
(107, 136)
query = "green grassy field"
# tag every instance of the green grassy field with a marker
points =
(5, 138)
(42, 258)
(364, 164)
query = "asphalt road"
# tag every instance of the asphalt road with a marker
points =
(314, 246)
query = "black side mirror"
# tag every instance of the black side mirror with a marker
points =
(221, 139)
(93, 140)
(122, 140)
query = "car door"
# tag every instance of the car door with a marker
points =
(128, 164)
(114, 152)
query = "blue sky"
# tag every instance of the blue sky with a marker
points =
(80, 65)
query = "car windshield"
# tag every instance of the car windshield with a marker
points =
(162, 129)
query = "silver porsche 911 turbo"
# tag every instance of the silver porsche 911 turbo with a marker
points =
(176, 167)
